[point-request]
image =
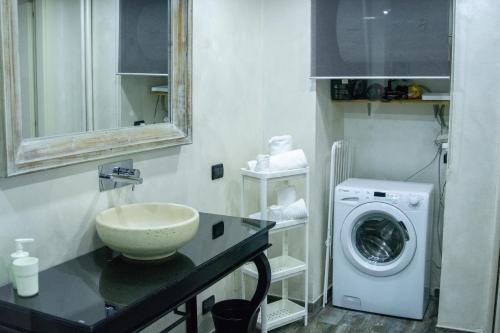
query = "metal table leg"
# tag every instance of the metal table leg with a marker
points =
(192, 320)
(263, 284)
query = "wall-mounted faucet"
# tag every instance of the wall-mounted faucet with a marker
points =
(118, 174)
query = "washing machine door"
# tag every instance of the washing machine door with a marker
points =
(378, 239)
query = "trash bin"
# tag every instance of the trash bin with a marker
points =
(234, 316)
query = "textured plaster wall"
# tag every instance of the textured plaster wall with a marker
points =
(294, 104)
(471, 222)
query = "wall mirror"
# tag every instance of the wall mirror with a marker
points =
(91, 79)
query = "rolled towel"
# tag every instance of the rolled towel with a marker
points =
(294, 159)
(280, 144)
(296, 211)
(287, 196)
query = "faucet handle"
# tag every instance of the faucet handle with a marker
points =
(121, 171)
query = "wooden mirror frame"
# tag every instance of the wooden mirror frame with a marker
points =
(22, 155)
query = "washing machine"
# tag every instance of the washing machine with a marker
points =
(381, 246)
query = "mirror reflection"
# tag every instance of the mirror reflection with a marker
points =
(90, 65)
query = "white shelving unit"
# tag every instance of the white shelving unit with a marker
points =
(283, 267)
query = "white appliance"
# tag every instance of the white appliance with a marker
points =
(381, 246)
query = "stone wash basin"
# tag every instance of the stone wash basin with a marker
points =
(147, 231)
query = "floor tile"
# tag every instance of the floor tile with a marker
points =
(338, 320)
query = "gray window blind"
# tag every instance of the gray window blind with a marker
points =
(144, 29)
(380, 38)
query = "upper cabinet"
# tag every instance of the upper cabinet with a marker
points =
(381, 39)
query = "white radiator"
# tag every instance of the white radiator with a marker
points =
(340, 170)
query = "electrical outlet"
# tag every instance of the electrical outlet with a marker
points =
(218, 230)
(207, 304)
(217, 171)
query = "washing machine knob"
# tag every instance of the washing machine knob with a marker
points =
(415, 200)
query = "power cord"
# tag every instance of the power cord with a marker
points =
(156, 109)
(441, 191)
(438, 153)
(439, 116)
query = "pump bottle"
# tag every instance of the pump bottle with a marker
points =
(20, 253)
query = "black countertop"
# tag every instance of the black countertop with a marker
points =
(96, 291)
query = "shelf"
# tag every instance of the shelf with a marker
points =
(141, 74)
(288, 224)
(274, 174)
(160, 90)
(281, 225)
(281, 313)
(281, 267)
(394, 101)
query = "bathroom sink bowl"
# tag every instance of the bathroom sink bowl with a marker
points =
(148, 231)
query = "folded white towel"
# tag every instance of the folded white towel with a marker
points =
(294, 159)
(280, 144)
(296, 211)
(287, 196)
(274, 213)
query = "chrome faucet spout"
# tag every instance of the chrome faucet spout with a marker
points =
(127, 179)
(115, 175)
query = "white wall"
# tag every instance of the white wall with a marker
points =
(289, 107)
(470, 255)
(106, 92)
(57, 207)
(60, 85)
(26, 26)
(292, 104)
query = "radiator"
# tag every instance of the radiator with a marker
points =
(340, 170)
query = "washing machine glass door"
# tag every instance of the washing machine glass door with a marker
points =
(378, 239)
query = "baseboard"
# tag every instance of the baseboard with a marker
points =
(312, 307)
(451, 329)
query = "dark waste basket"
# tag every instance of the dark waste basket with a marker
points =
(234, 316)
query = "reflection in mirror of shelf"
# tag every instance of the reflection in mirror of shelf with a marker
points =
(159, 90)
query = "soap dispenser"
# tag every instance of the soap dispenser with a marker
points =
(20, 253)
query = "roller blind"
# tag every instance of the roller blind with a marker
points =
(380, 38)
(144, 36)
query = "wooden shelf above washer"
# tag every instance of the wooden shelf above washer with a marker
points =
(394, 101)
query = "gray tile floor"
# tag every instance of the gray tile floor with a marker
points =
(337, 320)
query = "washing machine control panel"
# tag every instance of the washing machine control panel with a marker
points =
(394, 198)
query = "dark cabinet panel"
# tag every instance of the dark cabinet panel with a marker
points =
(380, 38)
(144, 29)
